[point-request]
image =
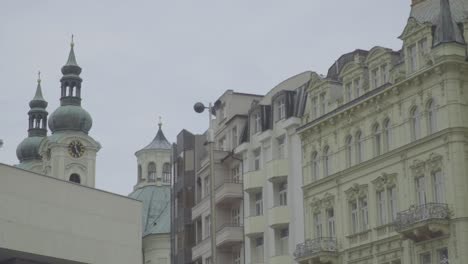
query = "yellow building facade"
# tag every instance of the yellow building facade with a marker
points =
(385, 148)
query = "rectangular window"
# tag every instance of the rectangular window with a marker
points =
(331, 222)
(234, 137)
(357, 87)
(208, 261)
(364, 214)
(206, 182)
(236, 257)
(392, 199)
(425, 258)
(349, 92)
(283, 194)
(258, 250)
(375, 78)
(258, 204)
(421, 190)
(235, 216)
(318, 224)
(222, 144)
(323, 104)
(443, 256)
(207, 226)
(381, 208)
(314, 107)
(283, 241)
(235, 175)
(412, 58)
(257, 159)
(257, 123)
(423, 48)
(354, 217)
(280, 141)
(439, 192)
(384, 73)
(281, 108)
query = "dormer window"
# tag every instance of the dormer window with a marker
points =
(257, 122)
(412, 58)
(375, 78)
(280, 108)
(349, 92)
(357, 87)
(323, 103)
(221, 112)
(384, 73)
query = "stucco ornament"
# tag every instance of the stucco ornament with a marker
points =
(434, 162)
(418, 168)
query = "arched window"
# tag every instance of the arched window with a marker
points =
(377, 139)
(151, 172)
(387, 135)
(75, 178)
(167, 173)
(140, 176)
(431, 117)
(349, 151)
(326, 161)
(359, 147)
(314, 166)
(415, 124)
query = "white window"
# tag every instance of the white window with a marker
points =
(412, 58)
(423, 47)
(152, 172)
(384, 73)
(283, 241)
(387, 135)
(425, 258)
(393, 205)
(421, 190)
(349, 92)
(314, 107)
(364, 215)
(375, 78)
(349, 151)
(381, 217)
(314, 166)
(326, 161)
(357, 87)
(415, 124)
(234, 137)
(331, 222)
(377, 140)
(323, 103)
(281, 108)
(235, 216)
(431, 117)
(318, 224)
(207, 226)
(235, 175)
(280, 141)
(258, 204)
(283, 194)
(257, 123)
(256, 164)
(439, 189)
(236, 257)
(354, 217)
(359, 147)
(258, 256)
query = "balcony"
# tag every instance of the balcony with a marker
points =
(202, 206)
(277, 170)
(228, 235)
(228, 191)
(278, 216)
(201, 247)
(254, 225)
(317, 251)
(254, 180)
(423, 222)
(280, 260)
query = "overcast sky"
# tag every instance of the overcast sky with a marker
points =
(144, 59)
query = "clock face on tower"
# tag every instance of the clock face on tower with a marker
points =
(76, 149)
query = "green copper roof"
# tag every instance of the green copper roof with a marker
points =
(156, 215)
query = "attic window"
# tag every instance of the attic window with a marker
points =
(280, 106)
(75, 178)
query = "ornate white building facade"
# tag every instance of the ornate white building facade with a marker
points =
(385, 151)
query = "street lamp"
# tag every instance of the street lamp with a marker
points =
(1, 143)
(200, 108)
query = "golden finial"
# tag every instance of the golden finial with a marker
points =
(72, 41)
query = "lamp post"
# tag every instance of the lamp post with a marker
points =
(1, 143)
(200, 108)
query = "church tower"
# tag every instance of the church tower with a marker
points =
(72, 150)
(28, 150)
(153, 189)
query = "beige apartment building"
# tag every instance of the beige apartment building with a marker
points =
(231, 112)
(271, 152)
(384, 147)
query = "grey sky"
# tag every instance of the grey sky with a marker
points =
(142, 59)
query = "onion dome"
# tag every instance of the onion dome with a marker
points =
(70, 116)
(28, 149)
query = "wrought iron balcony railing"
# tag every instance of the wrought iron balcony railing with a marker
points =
(313, 246)
(420, 213)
